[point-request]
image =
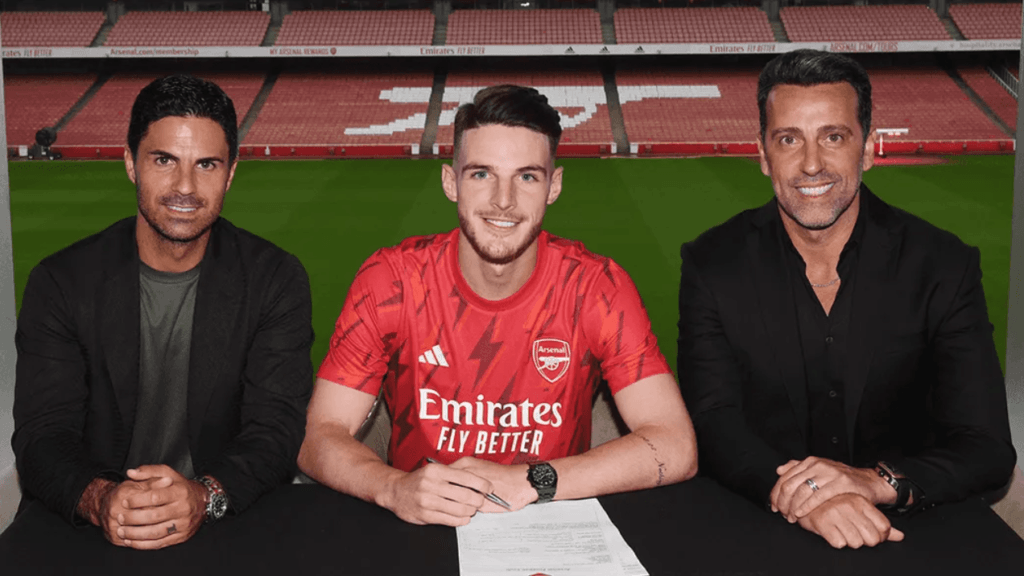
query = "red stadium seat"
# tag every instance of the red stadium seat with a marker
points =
(343, 109)
(356, 28)
(696, 25)
(861, 23)
(555, 26)
(189, 29)
(987, 21)
(39, 100)
(50, 29)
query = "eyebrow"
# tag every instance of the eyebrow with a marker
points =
(530, 168)
(163, 153)
(533, 168)
(829, 128)
(472, 167)
(836, 128)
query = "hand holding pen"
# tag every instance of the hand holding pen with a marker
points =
(490, 495)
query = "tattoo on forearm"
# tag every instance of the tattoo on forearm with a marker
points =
(661, 465)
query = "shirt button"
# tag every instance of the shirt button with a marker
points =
(828, 339)
(835, 440)
(832, 394)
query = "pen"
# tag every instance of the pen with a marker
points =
(490, 496)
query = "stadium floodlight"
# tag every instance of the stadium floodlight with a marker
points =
(882, 132)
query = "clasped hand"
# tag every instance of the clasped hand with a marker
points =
(842, 508)
(156, 507)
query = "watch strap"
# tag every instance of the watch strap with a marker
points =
(216, 498)
(891, 475)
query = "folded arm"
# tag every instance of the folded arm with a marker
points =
(972, 452)
(50, 400)
(277, 383)
(711, 380)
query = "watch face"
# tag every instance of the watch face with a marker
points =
(218, 506)
(543, 475)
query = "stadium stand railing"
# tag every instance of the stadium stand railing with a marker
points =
(931, 105)
(987, 21)
(995, 96)
(35, 101)
(49, 29)
(99, 129)
(342, 114)
(842, 23)
(544, 26)
(697, 25)
(189, 29)
(577, 95)
(356, 28)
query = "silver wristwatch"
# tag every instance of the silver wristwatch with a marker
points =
(216, 499)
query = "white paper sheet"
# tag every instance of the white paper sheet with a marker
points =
(570, 538)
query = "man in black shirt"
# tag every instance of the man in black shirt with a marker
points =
(163, 364)
(835, 352)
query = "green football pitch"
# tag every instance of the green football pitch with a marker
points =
(332, 214)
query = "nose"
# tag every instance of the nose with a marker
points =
(812, 159)
(185, 182)
(504, 197)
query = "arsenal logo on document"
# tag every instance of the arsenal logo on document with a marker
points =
(551, 357)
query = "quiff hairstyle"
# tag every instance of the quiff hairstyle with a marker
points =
(509, 105)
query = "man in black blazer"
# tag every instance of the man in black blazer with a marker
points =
(163, 364)
(835, 352)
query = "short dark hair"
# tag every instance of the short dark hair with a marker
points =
(509, 105)
(812, 67)
(186, 96)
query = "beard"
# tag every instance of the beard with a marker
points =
(177, 200)
(839, 206)
(493, 254)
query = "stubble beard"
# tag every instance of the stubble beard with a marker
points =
(837, 209)
(506, 257)
(164, 234)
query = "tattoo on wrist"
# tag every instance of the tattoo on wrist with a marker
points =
(661, 465)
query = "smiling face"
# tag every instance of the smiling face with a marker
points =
(814, 151)
(181, 175)
(503, 180)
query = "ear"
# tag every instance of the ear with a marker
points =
(231, 175)
(765, 169)
(555, 188)
(868, 159)
(449, 182)
(129, 165)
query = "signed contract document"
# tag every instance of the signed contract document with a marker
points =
(570, 538)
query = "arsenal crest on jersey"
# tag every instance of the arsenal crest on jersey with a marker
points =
(551, 357)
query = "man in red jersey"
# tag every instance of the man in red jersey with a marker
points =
(489, 341)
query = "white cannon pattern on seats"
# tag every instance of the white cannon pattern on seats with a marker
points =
(560, 97)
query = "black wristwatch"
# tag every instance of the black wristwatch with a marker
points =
(544, 479)
(895, 478)
(216, 499)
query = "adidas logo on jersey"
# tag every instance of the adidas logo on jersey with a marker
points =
(434, 357)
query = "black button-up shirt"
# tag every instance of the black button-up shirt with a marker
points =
(823, 341)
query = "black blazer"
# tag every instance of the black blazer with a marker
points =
(924, 389)
(250, 375)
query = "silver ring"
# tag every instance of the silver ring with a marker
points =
(812, 484)
(171, 529)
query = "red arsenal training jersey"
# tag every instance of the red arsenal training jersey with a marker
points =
(509, 381)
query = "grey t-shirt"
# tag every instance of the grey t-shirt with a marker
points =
(166, 305)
